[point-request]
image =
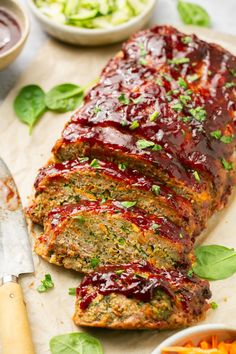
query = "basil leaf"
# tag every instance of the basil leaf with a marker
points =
(75, 343)
(64, 98)
(215, 262)
(29, 105)
(193, 14)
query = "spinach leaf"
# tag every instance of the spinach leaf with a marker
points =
(75, 343)
(29, 105)
(193, 14)
(64, 98)
(215, 262)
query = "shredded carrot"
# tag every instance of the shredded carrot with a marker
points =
(212, 346)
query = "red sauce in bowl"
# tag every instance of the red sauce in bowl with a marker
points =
(10, 31)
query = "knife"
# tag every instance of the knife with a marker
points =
(15, 259)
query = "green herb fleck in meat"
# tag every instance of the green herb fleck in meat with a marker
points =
(134, 125)
(198, 113)
(123, 99)
(179, 61)
(196, 176)
(227, 165)
(156, 189)
(154, 116)
(95, 262)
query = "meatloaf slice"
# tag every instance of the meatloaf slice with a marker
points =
(71, 181)
(165, 106)
(84, 235)
(139, 296)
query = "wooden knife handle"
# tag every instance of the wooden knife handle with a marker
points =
(15, 334)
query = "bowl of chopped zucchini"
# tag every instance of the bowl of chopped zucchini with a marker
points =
(92, 22)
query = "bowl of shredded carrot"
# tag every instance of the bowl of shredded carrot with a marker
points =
(203, 339)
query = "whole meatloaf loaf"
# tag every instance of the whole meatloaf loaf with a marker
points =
(72, 181)
(166, 107)
(81, 236)
(136, 296)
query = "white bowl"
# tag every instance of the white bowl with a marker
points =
(196, 334)
(20, 15)
(92, 37)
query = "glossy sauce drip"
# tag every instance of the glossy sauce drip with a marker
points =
(187, 146)
(10, 32)
(139, 281)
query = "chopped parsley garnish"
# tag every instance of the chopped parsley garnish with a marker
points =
(83, 159)
(94, 163)
(159, 82)
(119, 272)
(143, 61)
(184, 99)
(46, 284)
(155, 226)
(214, 305)
(179, 61)
(122, 166)
(128, 204)
(154, 116)
(198, 113)
(123, 99)
(97, 110)
(124, 123)
(216, 134)
(230, 84)
(72, 291)
(186, 40)
(227, 165)
(196, 176)
(144, 144)
(192, 78)
(134, 125)
(182, 82)
(186, 119)
(95, 262)
(143, 276)
(156, 189)
(157, 147)
(79, 218)
(227, 139)
(177, 107)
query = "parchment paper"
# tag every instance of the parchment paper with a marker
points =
(50, 313)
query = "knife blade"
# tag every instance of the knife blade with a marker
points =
(15, 259)
(15, 250)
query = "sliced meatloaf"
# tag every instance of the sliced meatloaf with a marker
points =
(81, 236)
(71, 181)
(139, 296)
(166, 107)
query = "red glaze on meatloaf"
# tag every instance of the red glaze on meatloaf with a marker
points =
(81, 236)
(140, 296)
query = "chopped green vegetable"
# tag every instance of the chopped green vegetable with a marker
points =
(179, 61)
(186, 40)
(134, 125)
(119, 272)
(29, 105)
(155, 226)
(83, 159)
(46, 284)
(128, 204)
(192, 78)
(184, 99)
(214, 305)
(95, 262)
(143, 61)
(64, 98)
(157, 147)
(123, 99)
(154, 116)
(216, 134)
(193, 14)
(156, 189)
(227, 165)
(230, 84)
(144, 144)
(72, 343)
(95, 163)
(182, 82)
(190, 273)
(79, 218)
(198, 113)
(227, 139)
(196, 176)
(97, 110)
(177, 107)
(215, 262)
(122, 166)
(72, 291)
